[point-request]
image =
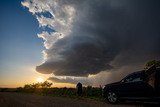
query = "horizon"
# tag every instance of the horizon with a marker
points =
(66, 42)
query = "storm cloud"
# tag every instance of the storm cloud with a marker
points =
(91, 36)
(100, 79)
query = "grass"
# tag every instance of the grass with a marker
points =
(88, 92)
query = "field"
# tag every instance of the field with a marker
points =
(88, 92)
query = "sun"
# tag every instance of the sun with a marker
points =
(39, 79)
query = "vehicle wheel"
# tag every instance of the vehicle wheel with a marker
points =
(112, 97)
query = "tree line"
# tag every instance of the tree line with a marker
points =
(44, 84)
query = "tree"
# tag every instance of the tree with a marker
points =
(36, 85)
(155, 63)
(46, 84)
(27, 86)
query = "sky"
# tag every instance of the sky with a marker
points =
(68, 41)
(20, 50)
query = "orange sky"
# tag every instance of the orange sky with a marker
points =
(28, 76)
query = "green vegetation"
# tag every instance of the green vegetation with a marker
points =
(45, 84)
(151, 63)
(46, 90)
(8, 89)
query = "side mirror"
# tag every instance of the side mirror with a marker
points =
(122, 81)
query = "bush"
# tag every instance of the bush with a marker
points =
(45, 89)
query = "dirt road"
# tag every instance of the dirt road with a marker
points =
(26, 100)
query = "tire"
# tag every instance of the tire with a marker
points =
(112, 97)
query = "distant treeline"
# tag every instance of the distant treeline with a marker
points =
(45, 89)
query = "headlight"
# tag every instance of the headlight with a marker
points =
(103, 87)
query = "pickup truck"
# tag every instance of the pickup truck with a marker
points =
(141, 85)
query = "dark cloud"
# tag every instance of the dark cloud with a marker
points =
(106, 34)
(101, 78)
(84, 81)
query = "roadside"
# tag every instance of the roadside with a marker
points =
(28, 100)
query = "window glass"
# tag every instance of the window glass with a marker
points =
(133, 78)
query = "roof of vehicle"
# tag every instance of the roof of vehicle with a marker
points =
(151, 70)
(136, 73)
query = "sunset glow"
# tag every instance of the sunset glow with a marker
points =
(39, 79)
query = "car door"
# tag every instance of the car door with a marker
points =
(134, 86)
(126, 87)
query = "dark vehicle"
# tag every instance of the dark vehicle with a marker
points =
(141, 85)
